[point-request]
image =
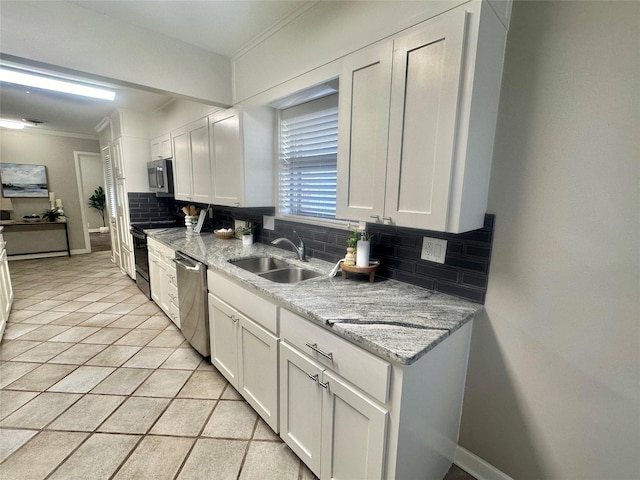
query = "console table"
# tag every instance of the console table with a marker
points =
(31, 239)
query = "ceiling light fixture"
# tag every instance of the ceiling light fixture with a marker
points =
(13, 124)
(48, 83)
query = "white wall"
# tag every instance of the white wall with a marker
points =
(553, 388)
(67, 35)
(323, 33)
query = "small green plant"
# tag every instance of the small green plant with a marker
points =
(246, 230)
(98, 201)
(52, 214)
(357, 235)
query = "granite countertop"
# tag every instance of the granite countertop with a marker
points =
(394, 320)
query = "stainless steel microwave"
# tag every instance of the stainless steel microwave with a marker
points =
(160, 175)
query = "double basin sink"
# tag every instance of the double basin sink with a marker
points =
(274, 269)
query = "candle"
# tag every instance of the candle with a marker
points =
(59, 202)
(52, 196)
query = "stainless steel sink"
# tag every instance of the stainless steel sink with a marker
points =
(289, 275)
(274, 269)
(259, 264)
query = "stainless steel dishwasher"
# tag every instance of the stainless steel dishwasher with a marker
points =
(192, 296)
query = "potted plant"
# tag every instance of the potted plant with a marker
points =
(358, 240)
(246, 233)
(51, 214)
(98, 201)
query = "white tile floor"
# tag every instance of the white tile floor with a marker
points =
(97, 383)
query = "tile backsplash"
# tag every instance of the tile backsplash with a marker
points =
(146, 207)
(464, 274)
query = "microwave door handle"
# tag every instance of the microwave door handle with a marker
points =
(159, 178)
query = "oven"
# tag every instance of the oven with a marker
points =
(141, 254)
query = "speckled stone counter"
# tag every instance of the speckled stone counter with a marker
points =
(397, 321)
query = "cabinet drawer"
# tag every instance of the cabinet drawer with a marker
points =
(261, 311)
(172, 293)
(358, 366)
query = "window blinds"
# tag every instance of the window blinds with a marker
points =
(308, 158)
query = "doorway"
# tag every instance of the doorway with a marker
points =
(90, 176)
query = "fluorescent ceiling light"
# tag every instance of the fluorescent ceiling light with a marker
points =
(47, 83)
(14, 124)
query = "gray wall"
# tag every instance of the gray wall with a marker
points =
(553, 383)
(56, 152)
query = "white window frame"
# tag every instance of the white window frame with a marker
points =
(327, 222)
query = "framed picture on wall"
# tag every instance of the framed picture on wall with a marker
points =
(23, 180)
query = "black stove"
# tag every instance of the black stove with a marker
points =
(140, 251)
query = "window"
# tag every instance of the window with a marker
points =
(308, 159)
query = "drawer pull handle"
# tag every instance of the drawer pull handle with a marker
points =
(324, 385)
(314, 347)
(313, 377)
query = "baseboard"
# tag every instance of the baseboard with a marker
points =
(79, 251)
(476, 466)
(31, 256)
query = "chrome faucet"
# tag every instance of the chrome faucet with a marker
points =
(299, 249)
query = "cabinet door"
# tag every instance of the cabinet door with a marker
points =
(365, 89)
(353, 432)
(422, 124)
(301, 405)
(6, 289)
(223, 331)
(124, 237)
(116, 154)
(154, 279)
(181, 165)
(258, 370)
(226, 151)
(200, 161)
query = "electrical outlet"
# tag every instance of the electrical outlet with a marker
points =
(239, 224)
(268, 222)
(433, 249)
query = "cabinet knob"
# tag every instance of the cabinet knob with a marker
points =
(234, 318)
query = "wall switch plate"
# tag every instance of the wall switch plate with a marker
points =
(239, 224)
(433, 249)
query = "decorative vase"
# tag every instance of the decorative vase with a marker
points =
(350, 258)
(247, 239)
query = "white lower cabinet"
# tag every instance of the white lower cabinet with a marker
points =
(350, 414)
(347, 413)
(338, 431)
(244, 345)
(6, 289)
(162, 277)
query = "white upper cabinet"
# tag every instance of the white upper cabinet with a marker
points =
(438, 90)
(161, 147)
(242, 160)
(191, 162)
(363, 125)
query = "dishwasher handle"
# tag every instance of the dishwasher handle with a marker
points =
(195, 268)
